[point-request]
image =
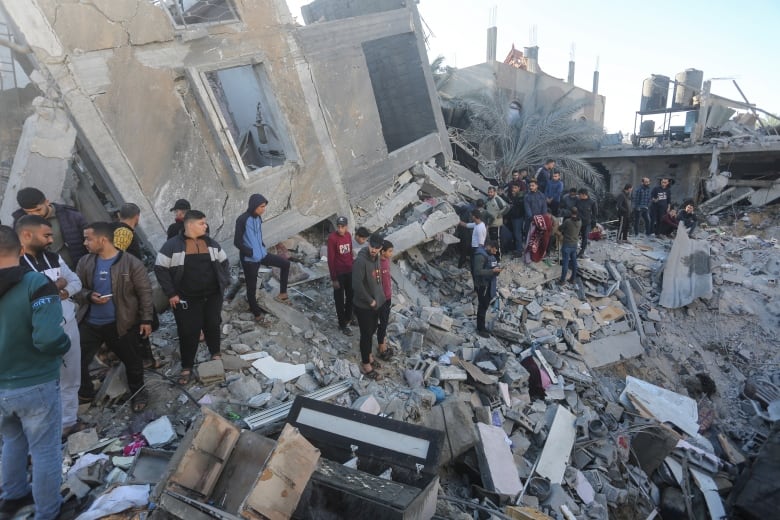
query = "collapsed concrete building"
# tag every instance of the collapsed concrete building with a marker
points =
(211, 100)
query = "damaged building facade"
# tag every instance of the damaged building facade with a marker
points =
(212, 100)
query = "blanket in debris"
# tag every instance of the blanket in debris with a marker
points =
(687, 273)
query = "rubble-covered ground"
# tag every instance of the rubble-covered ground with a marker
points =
(558, 354)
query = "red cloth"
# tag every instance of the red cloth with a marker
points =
(387, 281)
(339, 254)
(540, 236)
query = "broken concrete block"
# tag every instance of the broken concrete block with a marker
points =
(496, 463)
(436, 317)
(273, 369)
(412, 341)
(367, 404)
(388, 211)
(435, 183)
(455, 419)
(211, 372)
(440, 220)
(82, 441)
(515, 374)
(245, 388)
(278, 489)
(449, 373)
(306, 383)
(159, 432)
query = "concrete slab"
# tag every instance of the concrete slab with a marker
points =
(611, 349)
(496, 463)
(284, 312)
(387, 212)
(557, 446)
(661, 404)
(455, 419)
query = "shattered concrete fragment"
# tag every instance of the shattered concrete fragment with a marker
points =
(211, 372)
(557, 447)
(82, 441)
(496, 463)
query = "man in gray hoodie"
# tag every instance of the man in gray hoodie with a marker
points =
(368, 296)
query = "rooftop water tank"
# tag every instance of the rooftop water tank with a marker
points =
(688, 85)
(655, 91)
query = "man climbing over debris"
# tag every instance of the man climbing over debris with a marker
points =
(369, 296)
(35, 234)
(115, 308)
(248, 239)
(32, 343)
(486, 271)
(340, 266)
(67, 223)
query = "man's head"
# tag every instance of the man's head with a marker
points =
(514, 189)
(130, 214)
(387, 249)
(523, 173)
(516, 175)
(583, 193)
(480, 203)
(688, 206)
(375, 242)
(10, 248)
(361, 235)
(99, 237)
(556, 175)
(627, 188)
(573, 192)
(491, 246)
(341, 226)
(533, 185)
(34, 233)
(33, 202)
(574, 213)
(645, 181)
(195, 224)
(180, 208)
(491, 192)
(549, 164)
(664, 182)
(476, 215)
(673, 212)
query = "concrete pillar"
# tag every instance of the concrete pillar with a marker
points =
(570, 79)
(532, 55)
(43, 155)
(492, 38)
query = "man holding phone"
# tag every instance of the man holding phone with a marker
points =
(116, 308)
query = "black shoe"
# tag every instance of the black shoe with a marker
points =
(483, 333)
(9, 507)
(346, 330)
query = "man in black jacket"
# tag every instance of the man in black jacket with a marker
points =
(624, 213)
(193, 272)
(67, 223)
(660, 198)
(180, 207)
(587, 210)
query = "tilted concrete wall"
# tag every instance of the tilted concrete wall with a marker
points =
(134, 86)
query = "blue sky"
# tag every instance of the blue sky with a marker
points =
(630, 39)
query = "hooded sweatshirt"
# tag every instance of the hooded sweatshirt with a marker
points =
(32, 340)
(248, 237)
(367, 281)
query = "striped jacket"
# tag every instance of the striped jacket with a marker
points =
(169, 267)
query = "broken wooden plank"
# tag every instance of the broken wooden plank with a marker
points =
(557, 447)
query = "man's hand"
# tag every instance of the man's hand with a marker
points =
(373, 304)
(64, 295)
(61, 283)
(99, 300)
(336, 284)
(145, 330)
(497, 270)
(174, 301)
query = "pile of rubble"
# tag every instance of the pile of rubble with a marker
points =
(589, 400)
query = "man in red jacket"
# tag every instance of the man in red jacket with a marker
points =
(340, 266)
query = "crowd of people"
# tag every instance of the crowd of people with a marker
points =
(68, 286)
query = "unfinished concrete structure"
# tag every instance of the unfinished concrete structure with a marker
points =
(212, 100)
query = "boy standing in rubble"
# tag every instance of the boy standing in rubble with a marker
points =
(340, 267)
(385, 255)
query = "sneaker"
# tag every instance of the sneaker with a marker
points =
(10, 506)
(346, 330)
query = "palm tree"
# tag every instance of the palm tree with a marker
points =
(441, 72)
(513, 135)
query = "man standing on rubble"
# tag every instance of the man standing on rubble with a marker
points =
(568, 202)
(641, 204)
(385, 256)
(248, 239)
(125, 238)
(660, 198)
(495, 209)
(67, 223)
(340, 267)
(115, 308)
(624, 213)
(35, 235)
(193, 271)
(570, 230)
(486, 271)
(544, 174)
(587, 211)
(535, 202)
(516, 216)
(32, 343)
(369, 296)
(179, 208)
(553, 192)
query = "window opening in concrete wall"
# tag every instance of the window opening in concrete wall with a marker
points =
(192, 12)
(251, 114)
(400, 89)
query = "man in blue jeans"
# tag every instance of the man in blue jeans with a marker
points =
(32, 342)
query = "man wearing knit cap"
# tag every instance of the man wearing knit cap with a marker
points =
(179, 208)
(340, 267)
(248, 239)
(368, 298)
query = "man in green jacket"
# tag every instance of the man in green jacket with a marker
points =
(32, 342)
